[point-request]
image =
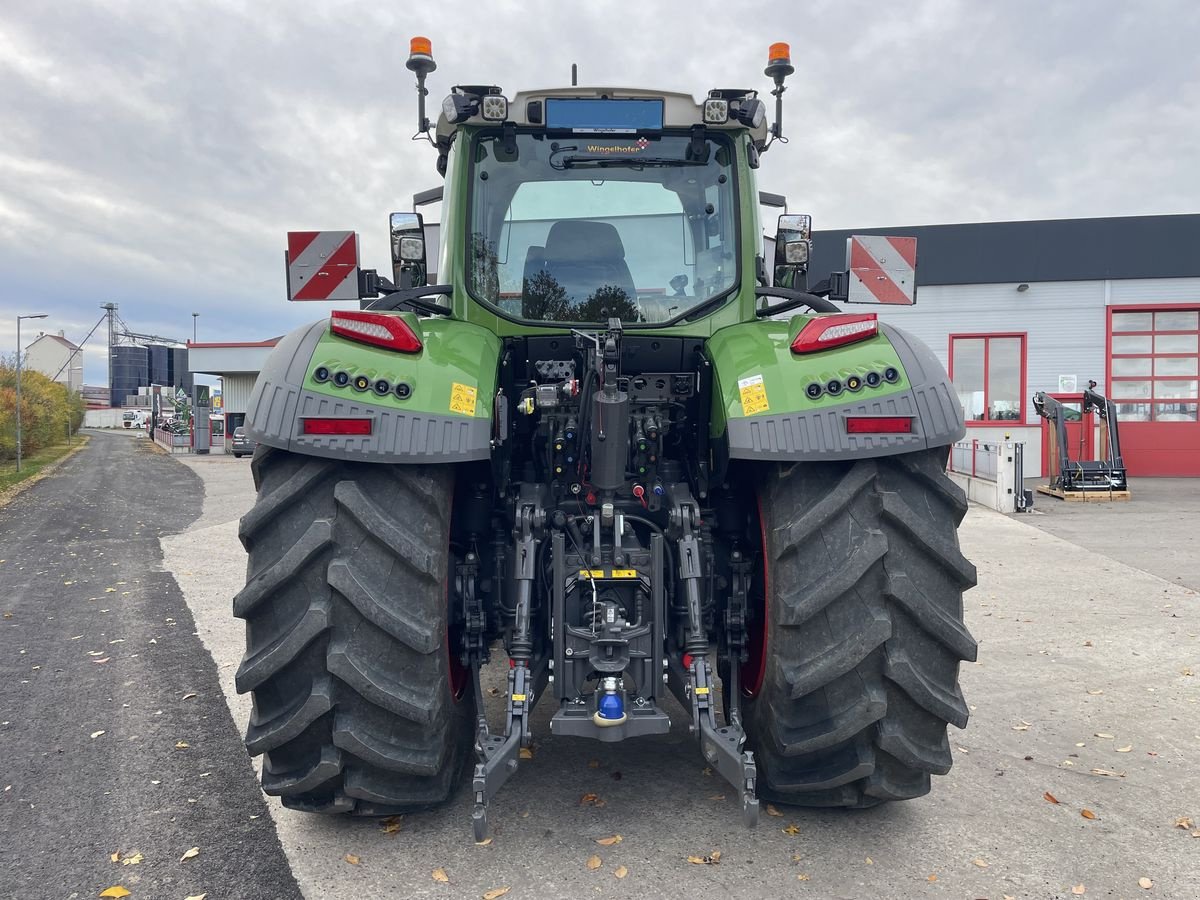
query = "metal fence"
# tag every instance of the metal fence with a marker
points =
(168, 440)
(976, 458)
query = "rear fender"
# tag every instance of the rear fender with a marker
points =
(438, 407)
(761, 408)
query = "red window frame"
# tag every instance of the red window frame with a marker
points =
(986, 337)
(1153, 400)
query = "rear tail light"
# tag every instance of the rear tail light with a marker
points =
(336, 426)
(391, 332)
(878, 424)
(823, 332)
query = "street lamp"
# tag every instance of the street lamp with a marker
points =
(195, 316)
(19, 318)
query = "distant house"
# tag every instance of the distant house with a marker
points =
(57, 358)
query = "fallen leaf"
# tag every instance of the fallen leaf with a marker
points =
(115, 891)
(189, 696)
(593, 862)
(392, 824)
(931, 878)
(1049, 797)
(982, 863)
(1024, 726)
(182, 745)
(717, 797)
(961, 749)
(353, 859)
(195, 851)
(621, 872)
(132, 859)
(609, 841)
(772, 811)
(593, 763)
(1188, 672)
(1196, 834)
(440, 876)
(1183, 822)
(870, 862)
(484, 842)
(1087, 814)
(1095, 693)
(115, 857)
(1125, 749)
(102, 661)
(197, 896)
(1101, 734)
(95, 653)
(591, 800)
(1145, 883)
(803, 876)
(1079, 889)
(1109, 772)
(96, 734)
(496, 892)
(526, 753)
(715, 855)
(711, 860)
(792, 829)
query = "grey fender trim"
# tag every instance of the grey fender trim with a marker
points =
(821, 434)
(279, 402)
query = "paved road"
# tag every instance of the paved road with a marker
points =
(97, 652)
(1081, 657)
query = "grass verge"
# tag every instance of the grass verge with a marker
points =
(34, 465)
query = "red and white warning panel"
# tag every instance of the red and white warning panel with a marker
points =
(882, 269)
(322, 265)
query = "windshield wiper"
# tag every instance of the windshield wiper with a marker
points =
(624, 162)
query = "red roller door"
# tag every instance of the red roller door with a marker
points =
(1154, 376)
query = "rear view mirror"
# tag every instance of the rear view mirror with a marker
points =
(793, 246)
(409, 267)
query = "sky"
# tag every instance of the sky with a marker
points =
(155, 155)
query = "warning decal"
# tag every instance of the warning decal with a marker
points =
(754, 395)
(322, 265)
(462, 399)
(882, 269)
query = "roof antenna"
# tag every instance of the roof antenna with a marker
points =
(574, 75)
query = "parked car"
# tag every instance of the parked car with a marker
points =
(242, 445)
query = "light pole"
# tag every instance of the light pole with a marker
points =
(195, 316)
(19, 318)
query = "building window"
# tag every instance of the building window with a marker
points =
(1154, 368)
(988, 371)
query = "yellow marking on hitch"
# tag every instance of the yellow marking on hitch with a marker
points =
(518, 698)
(701, 690)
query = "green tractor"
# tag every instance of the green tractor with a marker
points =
(611, 441)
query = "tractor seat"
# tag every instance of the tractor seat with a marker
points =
(583, 256)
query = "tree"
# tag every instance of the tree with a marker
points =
(47, 409)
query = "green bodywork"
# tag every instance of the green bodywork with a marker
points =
(763, 348)
(454, 353)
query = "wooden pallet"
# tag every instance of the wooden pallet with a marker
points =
(1084, 496)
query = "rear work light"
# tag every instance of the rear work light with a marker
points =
(391, 332)
(878, 424)
(336, 426)
(833, 330)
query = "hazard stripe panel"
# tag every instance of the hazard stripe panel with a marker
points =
(322, 265)
(882, 269)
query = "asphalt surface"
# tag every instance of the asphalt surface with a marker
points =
(1084, 690)
(114, 733)
(1084, 669)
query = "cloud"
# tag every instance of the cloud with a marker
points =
(155, 154)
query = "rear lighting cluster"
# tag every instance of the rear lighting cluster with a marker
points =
(391, 332)
(381, 387)
(345, 426)
(835, 330)
(834, 387)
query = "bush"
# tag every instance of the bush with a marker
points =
(46, 409)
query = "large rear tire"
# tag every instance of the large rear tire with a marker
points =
(858, 676)
(358, 706)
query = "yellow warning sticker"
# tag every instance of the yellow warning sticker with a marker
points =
(754, 395)
(462, 399)
(624, 573)
(615, 573)
(518, 698)
(700, 691)
(591, 573)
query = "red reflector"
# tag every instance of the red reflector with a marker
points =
(833, 330)
(878, 424)
(391, 332)
(337, 426)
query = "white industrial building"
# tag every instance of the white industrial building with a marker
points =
(57, 358)
(237, 364)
